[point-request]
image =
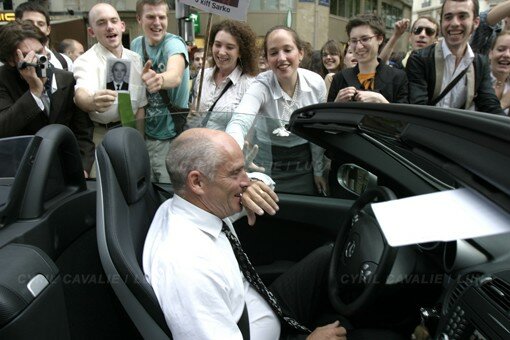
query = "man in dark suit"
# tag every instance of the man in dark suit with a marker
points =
(119, 70)
(30, 100)
(432, 69)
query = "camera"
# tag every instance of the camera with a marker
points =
(41, 67)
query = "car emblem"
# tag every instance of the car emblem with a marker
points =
(349, 250)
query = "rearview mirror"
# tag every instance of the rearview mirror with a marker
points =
(355, 179)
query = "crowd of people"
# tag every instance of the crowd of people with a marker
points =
(462, 61)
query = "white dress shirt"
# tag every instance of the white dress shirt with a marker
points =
(266, 97)
(192, 268)
(228, 101)
(90, 74)
(457, 96)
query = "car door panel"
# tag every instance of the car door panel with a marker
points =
(302, 224)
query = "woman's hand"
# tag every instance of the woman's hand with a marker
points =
(370, 97)
(346, 94)
(321, 184)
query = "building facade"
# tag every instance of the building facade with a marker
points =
(316, 21)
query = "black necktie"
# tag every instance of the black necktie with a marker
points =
(118, 86)
(254, 279)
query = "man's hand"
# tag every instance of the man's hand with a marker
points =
(153, 81)
(103, 99)
(257, 198)
(401, 27)
(331, 331)
(28, 73)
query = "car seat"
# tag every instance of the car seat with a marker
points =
(126, 204)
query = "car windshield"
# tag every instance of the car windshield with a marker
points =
(292, 162)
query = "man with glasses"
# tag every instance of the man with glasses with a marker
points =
(424, 32)
(450, 74)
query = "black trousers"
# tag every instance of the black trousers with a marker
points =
(303, 294)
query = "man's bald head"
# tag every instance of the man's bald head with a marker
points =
(98, 8)
(105, 25)
(197, 149)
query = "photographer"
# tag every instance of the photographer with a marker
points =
(33, 94)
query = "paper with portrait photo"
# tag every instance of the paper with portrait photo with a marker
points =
(117, 74)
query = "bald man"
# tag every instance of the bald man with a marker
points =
(191, 263)
(90, 72)
(72, 48)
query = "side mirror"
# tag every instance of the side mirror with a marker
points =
(355, 179)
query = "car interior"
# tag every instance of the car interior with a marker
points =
(70, 248)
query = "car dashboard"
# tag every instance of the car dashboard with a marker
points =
(477, 306)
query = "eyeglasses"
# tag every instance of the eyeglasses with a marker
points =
(428, 31)
(362, 40)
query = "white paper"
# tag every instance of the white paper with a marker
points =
(442, 216)
(235, 9)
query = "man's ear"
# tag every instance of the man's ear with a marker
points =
(123, 24)
(195, 182)
(476, 23)
(138, 19)
(90, 31)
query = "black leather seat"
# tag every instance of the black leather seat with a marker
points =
(126, 204)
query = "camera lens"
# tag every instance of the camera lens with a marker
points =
(41, 58)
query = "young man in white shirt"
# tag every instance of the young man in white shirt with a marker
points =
(90, 72)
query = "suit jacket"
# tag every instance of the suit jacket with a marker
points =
(111, 86)
(424, 70)
(20, 114)
(389, 81)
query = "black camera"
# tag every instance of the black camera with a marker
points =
(41, 67)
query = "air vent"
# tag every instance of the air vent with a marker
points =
(463, 283)
(498, 291)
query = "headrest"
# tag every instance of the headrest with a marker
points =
(130, 160)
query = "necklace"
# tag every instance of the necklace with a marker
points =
(289, 105)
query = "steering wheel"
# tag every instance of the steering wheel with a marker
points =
(361, 259)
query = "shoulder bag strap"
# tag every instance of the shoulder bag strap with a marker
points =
(208, 115)
(449, 87)
(62, 60)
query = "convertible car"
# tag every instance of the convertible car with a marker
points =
(417, 205)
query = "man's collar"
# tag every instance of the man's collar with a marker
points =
(106, 51)
(202, 219)
(446, 50)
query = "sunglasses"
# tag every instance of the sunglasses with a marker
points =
(428, 31)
